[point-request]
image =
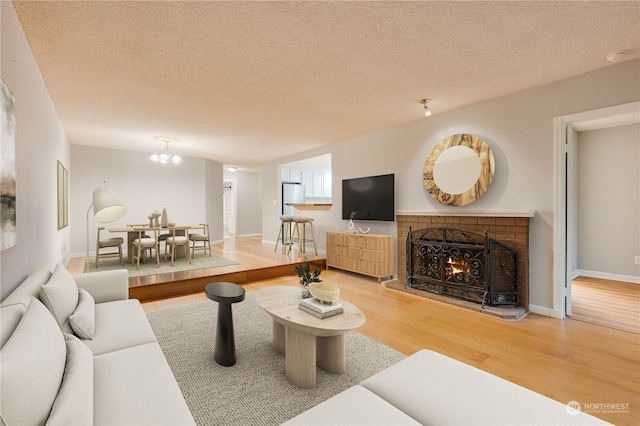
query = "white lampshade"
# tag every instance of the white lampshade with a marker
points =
(106, 206)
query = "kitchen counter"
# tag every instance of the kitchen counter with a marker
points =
(311, 206)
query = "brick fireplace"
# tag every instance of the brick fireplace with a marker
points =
(510, 230)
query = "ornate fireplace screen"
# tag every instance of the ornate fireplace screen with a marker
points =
(462, 264)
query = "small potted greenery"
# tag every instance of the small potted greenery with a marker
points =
(307, 277)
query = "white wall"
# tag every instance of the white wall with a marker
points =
(40, 142)
(608, 231)
(191, 191)
(249, 202)
(519, 130)
(214, 214)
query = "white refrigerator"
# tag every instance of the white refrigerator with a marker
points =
(292, 192)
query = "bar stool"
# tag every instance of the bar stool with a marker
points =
(285, 233)
(299, 229)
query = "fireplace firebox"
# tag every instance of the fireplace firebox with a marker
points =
(462, 264)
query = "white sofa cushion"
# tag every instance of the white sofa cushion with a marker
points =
(83, 319)
(32, 367)
(74, 403)
(435, 389)
(354, 406)
(10, 317)
(28, 288)
(120, 325)
(60, 296)
(105, 286)
(135, 386)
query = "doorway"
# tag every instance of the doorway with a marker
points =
(229, 203)
(612, 304)
(566, 206)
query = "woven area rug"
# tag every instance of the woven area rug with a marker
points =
(151, 267)
(255, 390)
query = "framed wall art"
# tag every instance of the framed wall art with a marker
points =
(63, 196)
(8, 195)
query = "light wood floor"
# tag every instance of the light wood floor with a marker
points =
(608, 303)
(565, 360)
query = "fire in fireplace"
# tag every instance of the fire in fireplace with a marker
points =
(457, 266)
(462, 264)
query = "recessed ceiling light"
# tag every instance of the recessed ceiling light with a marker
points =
(232, 168)
(617, 56)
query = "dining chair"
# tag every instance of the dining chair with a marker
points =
(143, 243)
(203, 238)
(108, 243)
(173, 241)
(140, 225)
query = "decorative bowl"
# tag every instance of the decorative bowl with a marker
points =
(324, 292)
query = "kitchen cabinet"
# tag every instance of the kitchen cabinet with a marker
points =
(317, 183)
(290, 175)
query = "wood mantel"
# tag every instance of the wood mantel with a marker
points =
(471, 213)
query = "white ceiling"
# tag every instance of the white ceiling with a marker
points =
(243, 82)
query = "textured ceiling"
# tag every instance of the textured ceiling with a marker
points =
(244, 82)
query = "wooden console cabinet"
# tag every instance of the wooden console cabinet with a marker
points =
(367, 254)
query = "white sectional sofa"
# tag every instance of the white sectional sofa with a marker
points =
(432, 389)
(76, 351)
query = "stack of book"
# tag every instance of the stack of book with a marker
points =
(320, 310)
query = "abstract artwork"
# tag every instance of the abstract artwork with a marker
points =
(7, 169)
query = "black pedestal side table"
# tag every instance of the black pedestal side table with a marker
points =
(225, 294)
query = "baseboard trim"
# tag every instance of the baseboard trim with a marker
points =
(606, 276)
(547, 312)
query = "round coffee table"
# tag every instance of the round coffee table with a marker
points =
(225, 294)
(305, 340)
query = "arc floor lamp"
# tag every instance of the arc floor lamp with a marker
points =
(106, 208)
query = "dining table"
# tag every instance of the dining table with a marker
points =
(133, 231)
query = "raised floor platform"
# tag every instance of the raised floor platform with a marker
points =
(256, 261)
(178, 284)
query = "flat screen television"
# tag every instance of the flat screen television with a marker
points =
(371, 198)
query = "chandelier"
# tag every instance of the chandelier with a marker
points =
(165, 157)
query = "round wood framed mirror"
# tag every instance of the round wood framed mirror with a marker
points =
(458, 170)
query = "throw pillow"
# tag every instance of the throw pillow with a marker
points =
(60, 296)
(74, 403)
(32, 367)
(83, 319)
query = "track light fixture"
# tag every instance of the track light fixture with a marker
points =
(427, 111)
